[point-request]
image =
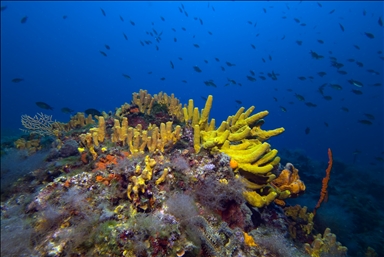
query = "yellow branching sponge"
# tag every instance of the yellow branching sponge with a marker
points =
(242, 139)
(257, 200)
(325, 244)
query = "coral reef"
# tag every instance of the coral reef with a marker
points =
(155, 178)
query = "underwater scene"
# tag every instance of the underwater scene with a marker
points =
(192, 128)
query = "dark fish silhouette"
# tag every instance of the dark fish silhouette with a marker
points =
(307, 130)
(162, 78)
(17, 80)
(217, 59)
(64, 17)
(370, 35)
(162, 18)
(107, 46)
(93, 112)
(299, 42)
(132, 23)
(365, 122)
(197, 69)
(322, 73)
(44, 106)
(103, 53)
(332, 11)
(196, 45)
(380, 21)
(67, 110)
(320, 41)
(172, 66)
(126, 76)
(341, 27)
(125, 36)
(24, 19)
(357, 92)
(357, 47)
(103, 12)
(121, 18)
(238, 101)
(174, 39)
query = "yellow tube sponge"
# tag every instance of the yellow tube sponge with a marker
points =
(240, 134)
(255, 169)
(205, 112)
(257, 200)
(251, 155)
(101, 129)
(263, 135)
(163, 176)
(196, 138)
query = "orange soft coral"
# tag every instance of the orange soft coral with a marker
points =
(104, 162)
(289, 180)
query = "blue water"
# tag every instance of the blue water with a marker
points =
(61, 64)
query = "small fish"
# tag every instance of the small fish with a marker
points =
(297, 20)
(121, 18)
(380, 21)
(127, 76)
(262, 77)
(332, 11)
(327, 97)
(283, 37)
(355, 83)
(252, 79)
(321, 89)
(44, 106)
(270, 57)
(357, 92)
(265, 10)
(252, 72)
(300, 97)
(162, 18)
(320, 41)
(342, 72)
(365, 122)
(357, 47)
(322, 73)
(217, 59)
(125, 36)
(93, 112)
(24, 19)
(302, 78)
(184, 81)
(283, 109)
(370, 35)
(184, 29)
(238, 101)
(373, 72)
(196, 45)
(377, 84)
(274, 98)
(197, 69)
(230, 64)
(162, 78)
(222, 68)
(107, 46)
(319, 4)
(210, 33)
(66, 110)
(172, 66)
(103, 53)
(175, 40)
(299, 42)
(149, 72)
(263, 60)
(309, 104)
(64, 17)
(210, 83)
(141, 42)
(307, 130)
(326, 124)
(204, 98)
(303, 24)
(316, 55)
(369, 116)
(345, 109)
(180, 58)
(157, 48)
(201, 21)
(341, 27)
(336, 86)
(351, 60)
(17, 80)
(103, 12)
(206, 61)
(254, 47)
(133, 23)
